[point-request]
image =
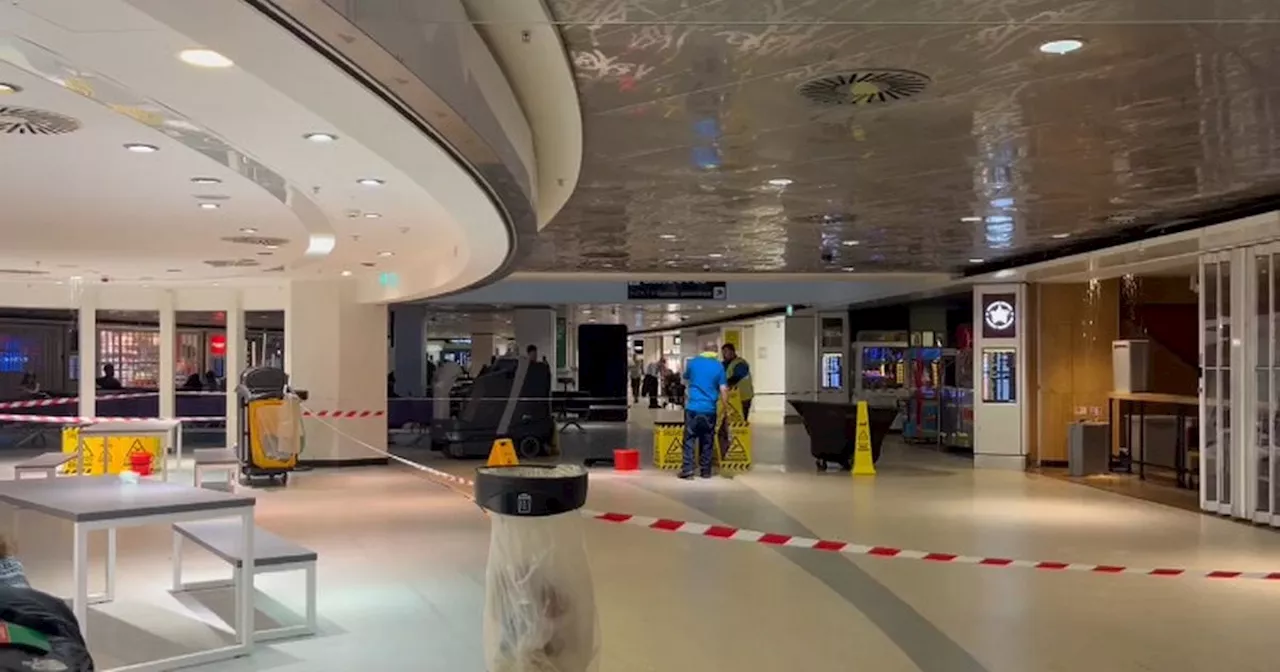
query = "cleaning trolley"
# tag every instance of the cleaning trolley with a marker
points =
(271, 436)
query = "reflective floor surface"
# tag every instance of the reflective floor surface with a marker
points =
(401, 573)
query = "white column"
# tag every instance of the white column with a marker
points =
(168, 345)
(537, 327)
(1001, 421)
(331, 341)
(234, 365)
(484, 343)
(88, 326)
(409, 363)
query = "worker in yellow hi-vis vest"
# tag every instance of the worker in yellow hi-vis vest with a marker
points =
(738, 373)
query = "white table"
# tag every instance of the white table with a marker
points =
(168, 431)
(107, 503)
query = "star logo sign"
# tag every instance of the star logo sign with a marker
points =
(999, 315)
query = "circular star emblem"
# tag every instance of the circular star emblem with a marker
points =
(999, 315)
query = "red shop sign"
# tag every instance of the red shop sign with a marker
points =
(218, 344)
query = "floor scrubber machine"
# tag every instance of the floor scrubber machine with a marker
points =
(271, 436)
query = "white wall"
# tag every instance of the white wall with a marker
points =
(801, 360)
(768, 361)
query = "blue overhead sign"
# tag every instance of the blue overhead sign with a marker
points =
(677, 291)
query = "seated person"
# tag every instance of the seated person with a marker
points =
(193, 384)
(40, 632)
(108, 381)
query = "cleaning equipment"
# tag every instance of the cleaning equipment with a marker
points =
(270, 425)
(511, 400)
(540, 612)
(864, 463)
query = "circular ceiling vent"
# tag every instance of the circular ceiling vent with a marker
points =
(26, 121)
(864, 87)
(261, 241)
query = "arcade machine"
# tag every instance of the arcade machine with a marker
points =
(512, 399)
(271, 434)
(880, 358)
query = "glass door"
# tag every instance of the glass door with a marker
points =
(1215, 356)
(1261, 455)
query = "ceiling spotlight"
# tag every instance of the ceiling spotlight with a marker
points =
(668, 236)
(371, 215)
(781, 182)
(371, 182)
(1060, 47)
(140, 148)
(847, 269)
(249, 230)
(715, 255)
(851, 243)
(385, 254)
(976, 261)
(209, 206)
(273, 247)
(346, 274)
(205, 180)
(6, 87)
(204, 58)
(1060, 236)
(971, 220)
(320, 138)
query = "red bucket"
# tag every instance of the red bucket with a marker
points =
(626, 459)
(140, 463)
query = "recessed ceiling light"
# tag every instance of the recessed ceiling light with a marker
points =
(248, 229)
(847, 269)
(975, 261)
(781, 182)
(320, 137)
(140, 148)
(1060, 47)
(971, 220)
(1060, 236)
(204, 58)
(385, 254)
(346, 274)
(272, 247)
(371, 215)
(668, 236)
(6, 87)
(371, 182)
(715, 255)
(206, 180)
(851, 243)
(209, 206)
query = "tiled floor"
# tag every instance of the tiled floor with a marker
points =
(402, 574)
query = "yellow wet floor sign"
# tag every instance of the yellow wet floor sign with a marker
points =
(503, 454)
(864, 463)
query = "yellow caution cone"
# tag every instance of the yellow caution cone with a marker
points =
(503, 454)
(864, 463)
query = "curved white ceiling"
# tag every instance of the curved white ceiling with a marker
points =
(78, 203)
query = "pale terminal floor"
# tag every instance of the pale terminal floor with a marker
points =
(401, 574)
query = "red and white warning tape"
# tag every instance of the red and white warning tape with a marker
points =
(343, 415)
(65, 401)
(81, 420)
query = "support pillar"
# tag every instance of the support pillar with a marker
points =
(235, 359)
(330, 343)
(88, 345)
(484, 343)
(1002, 394)
(537, 327)
(409, 338)
(168, 344)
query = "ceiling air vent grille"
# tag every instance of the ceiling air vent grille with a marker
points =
(261, 241)
(864, 87)
(231, 263)
(26, 121)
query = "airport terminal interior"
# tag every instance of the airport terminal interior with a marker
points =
(639, 335)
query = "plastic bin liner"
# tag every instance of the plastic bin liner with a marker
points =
(278, 427)
(540, 613)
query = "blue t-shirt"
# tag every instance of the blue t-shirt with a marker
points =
(705, 374)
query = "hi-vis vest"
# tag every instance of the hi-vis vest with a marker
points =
(744, 388)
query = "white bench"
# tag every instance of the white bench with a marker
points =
(216, 459)
(271, 554)
(45, 463)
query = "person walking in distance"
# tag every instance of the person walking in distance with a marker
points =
(708, 386)
(637, 376)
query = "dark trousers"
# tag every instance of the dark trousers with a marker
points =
(651, 390)
(699, 438)
(724, 427)
(635, 389)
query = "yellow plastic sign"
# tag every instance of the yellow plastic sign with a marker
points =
(864, 463)
(668, 444)
(503, 454)
(121, 448)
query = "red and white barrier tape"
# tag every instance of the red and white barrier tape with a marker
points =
(65, 401)
(80, 420)
(343, 415)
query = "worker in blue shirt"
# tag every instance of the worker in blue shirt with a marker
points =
(708, 386)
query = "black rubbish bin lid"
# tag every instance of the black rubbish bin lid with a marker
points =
(531, 489)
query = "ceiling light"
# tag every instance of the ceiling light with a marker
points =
(273, 247)
(852, 243)
(371, 215)
(1060, 236)
(668, 236)
(1006, 273)
(385, 254)
(715, 255)
(371, 182)
(1060, 47)
(320, 137)
(6, 87)
(848, 269)
(975, 261)
(206, 180)
(204, 58)
(346, 274)
(141, 148)
(209, 206)
(248, 229)
(971, 220)
(781, 182)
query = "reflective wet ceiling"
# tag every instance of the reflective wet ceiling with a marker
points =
(905, 135)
